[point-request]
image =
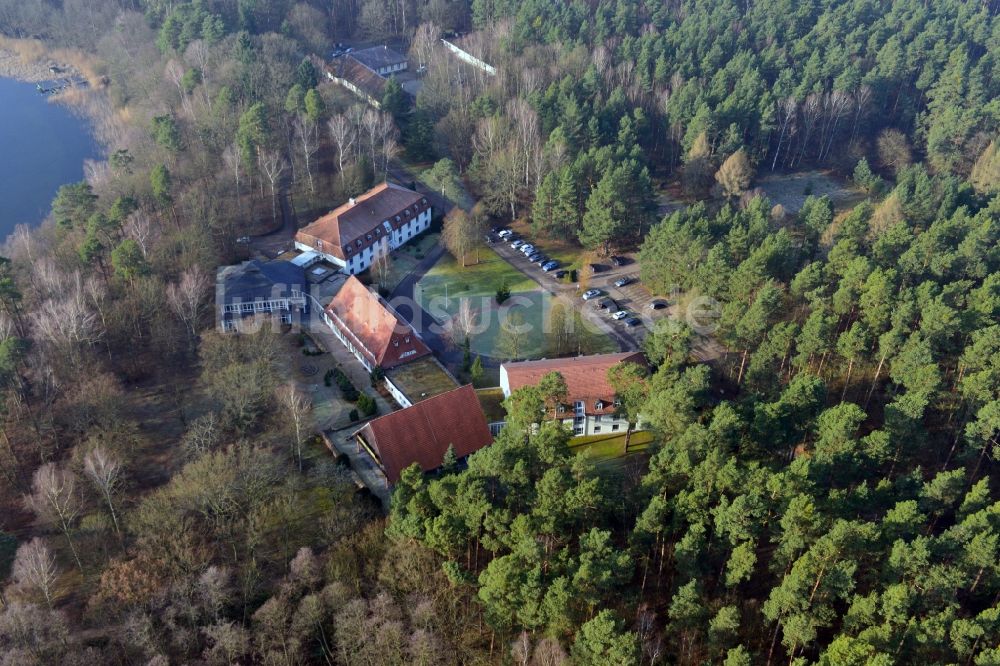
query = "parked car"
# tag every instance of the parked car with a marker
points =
(550, 265)
(559, 275)
(621, 314)
(541, 259)
(535, 256)
(594, 268)
(505, 233)
(516, 244)
(656, 305)
(605, 304)
(591, 293)
(622, 281)
(632, 322)
(527, 249)
(618, 261)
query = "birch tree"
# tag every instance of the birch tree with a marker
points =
(187, 298)
(35, 567)
(343, 134)
(273, 165)
(297, 407)
(55, 501)
(105, 472)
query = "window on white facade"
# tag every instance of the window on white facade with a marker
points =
(597, 429)
(615, 427)
(578, 430)
(579, 406)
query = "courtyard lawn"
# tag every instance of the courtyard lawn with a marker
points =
(406, 258)
(475, 279)
(442, 290)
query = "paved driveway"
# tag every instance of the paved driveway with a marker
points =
(370, 474)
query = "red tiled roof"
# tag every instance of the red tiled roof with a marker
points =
(356, 72)
(422, 433)
(350, 223)
(586, 376)
(384, 337)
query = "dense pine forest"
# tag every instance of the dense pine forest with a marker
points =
(824, 491)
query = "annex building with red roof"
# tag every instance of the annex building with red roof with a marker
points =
(354, 235)
(591, 407)
(422, 433)
(370, 329)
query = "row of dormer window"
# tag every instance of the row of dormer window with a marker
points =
(348, 249)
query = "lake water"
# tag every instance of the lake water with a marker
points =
(42, 146)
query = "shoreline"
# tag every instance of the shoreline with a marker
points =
(89, 102)
(13, 66)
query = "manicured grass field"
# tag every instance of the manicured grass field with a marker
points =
(475, 279)
(447, 284)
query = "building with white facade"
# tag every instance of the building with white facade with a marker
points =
(381, 59)
(591, 407)
(374, 224)
(255, 289)
(370, 329)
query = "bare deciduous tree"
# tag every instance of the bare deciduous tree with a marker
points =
(105, 472)
(174, 72)
(55, 501)
(187, 297)
(140, 228)
(297, 407)
(549, 652)
(520, 649)
(35, 567)
(307, 137)
(463, 324)
(233, 158)
(203, 435)
(344, 136)
(67, 322)
(425, 40)
(273, 164)
(381, 269)
(787, 109)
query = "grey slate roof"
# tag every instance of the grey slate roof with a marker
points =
(377, 57)
(253, 280)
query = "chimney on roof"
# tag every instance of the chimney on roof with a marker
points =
(351, 201)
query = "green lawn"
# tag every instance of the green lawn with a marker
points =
(447, 284)
(606, 447)
(406, 258)
(476, 279)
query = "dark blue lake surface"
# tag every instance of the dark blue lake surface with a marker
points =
(42, 146)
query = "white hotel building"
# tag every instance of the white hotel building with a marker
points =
(371, 225)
